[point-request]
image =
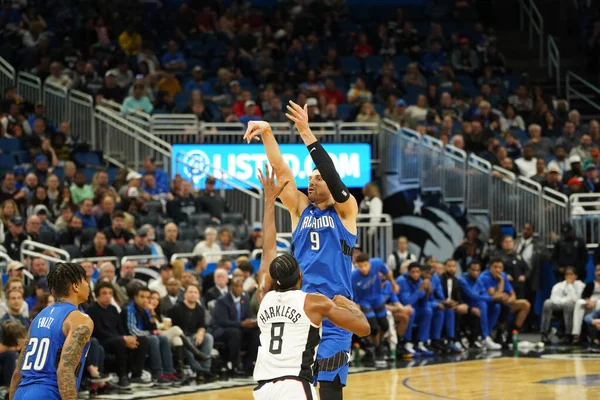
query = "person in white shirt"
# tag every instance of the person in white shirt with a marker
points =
(160, 284)
(398, 261)
(372, 205)
(527, 163)
(209, 245)
(588, 303)
(564, 296)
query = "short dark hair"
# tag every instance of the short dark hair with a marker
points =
(246, 266)
(495, 260)
(103, 285)
(193, 285)
(426, 268)
(362, 257)
(140, 288)
(284, 270)
(100, 233)
(449, 260)
(414, 265)
(474, 262)
(12, 331)
(63, 276)
(118, 214)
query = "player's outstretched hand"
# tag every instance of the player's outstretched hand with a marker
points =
(255, 130)
(299, 115)
(272, 190)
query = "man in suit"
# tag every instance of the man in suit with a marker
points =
(454, 306)
(220, 288)
(172, 297)
(233, 326)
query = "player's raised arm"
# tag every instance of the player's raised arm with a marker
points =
(340, 311)
(294, 200)
(345, 203)
(271, 192)
(16, 376)
(79, 329)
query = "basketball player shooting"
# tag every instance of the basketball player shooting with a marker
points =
(289, 319)
(323, 236)
(51, 365)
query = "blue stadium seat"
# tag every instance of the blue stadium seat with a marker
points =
(10, 145)
(343, 111)
(112, 174)
(373, 64)
(380, 108)
(521, 135)
(401, 62)
(23, 157)
(59, 172)
(350, 65)
(7, 161)
(412, 92)
(181, 99)
(89, 174)
(465, 80)
(88, 159)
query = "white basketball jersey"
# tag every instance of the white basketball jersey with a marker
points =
(288, 339)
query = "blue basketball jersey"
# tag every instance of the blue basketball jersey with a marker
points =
(323, 248)
(46, 340)
(368, 287)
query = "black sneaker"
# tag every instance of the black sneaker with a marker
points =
(124, 383)
(546, 338)
(138, 382)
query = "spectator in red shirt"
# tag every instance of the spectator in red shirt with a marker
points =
(363, 48)
(333, 94)
(240, 106)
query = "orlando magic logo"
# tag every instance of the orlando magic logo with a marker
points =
(195, 165)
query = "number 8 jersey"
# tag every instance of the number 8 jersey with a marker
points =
(288, 339)
(323, 248)
(46, 340)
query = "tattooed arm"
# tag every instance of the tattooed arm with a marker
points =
(16, 377)
(78, 328)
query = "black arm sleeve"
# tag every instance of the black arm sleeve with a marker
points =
(338, 190)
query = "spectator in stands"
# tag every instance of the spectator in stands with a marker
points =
(367, 114)
(80, 190)
(576, 170)
(116, 234)
(363, 48)
(464, 59)
(471, 248)
(275, 114)
(66, 214)
(542, 146)
(234, 326)
(174, 295)
(107, 205)
(90, 82)
(139, 247)
(211, 201)
(99, 249)
(226, 240)
(14, 238)
(255, 240)
(569, 250)
(569, 139)
(560, 160)
(129, 351)
(183, 205)
(250, 113)
(169, 84)
(33, 227)
(521, 101)
(488, 119)
(13, 338)
(359, 92)
(171, 245)
(72, 235)
(587, 304)
(111, 90)
(130, 41)
(417, 112)
(173, 59)
(398, 261)
(15, 303)
(332, 93)
(161, 176)
(553, 179)
(221, 281)
(494, 58)
(475, 141)
(516, 268)
(160, 284)
(57, 77)
(313, 110)
(590, 182)
(15, 124)
(140, 325)
(137, 102)
(85, 213)
(435, 57)
(123, 74)
(9, 190)
(209, 245)
(197, 82)
(584, 149)
(189, 315)
(527, 163)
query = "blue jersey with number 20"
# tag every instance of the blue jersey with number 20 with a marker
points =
(323, 248)
(46, 340)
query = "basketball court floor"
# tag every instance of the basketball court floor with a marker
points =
(558, 373)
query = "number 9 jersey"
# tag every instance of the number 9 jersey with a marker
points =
(42, 355)
(323, 248)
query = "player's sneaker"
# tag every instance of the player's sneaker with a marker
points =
(408, 350)
(491, 345)
(465, 343)
(455, 347)
(173, 378)
(424, 350)
(123, 383)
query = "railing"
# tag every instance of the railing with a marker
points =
(221, 254)
(375, 234)
(7, 74)
(573, 93)
(28, 246)
(554, 62)
(56, 100)
(98, 260)
(29, 86)
(124, 143)
(479, 183)
(535, 26)
(144, 259)
(81, 116)
(175, 128)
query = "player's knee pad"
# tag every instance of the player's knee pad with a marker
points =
(383, 323)
(331, 390)
(374, 326)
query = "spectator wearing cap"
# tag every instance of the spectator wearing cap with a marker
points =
(72, 234)
(183, 204)
(396, 113)
(123, 74)
(313, 110)
(332, 93)
(42, 212)
(116, 234)
(583, 150)
(464, 59)
(590, 183)
(173, 59)
(160, 284)
(137, 102)
(197, 81)
(553, 178)
(211, 201)
(160, 176)
(139, 247)
(110, 90)
(58, 77)
(85, 213)
(576, 170)
(169, 83)
(542, 146)
(15, 269)
(209, 245)
(40, 168)
(527, 163)
(250, 113)
(133, 189)
(80, 190)
(98, 247)
(14, 238)
(14, 301)
(569, 139)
